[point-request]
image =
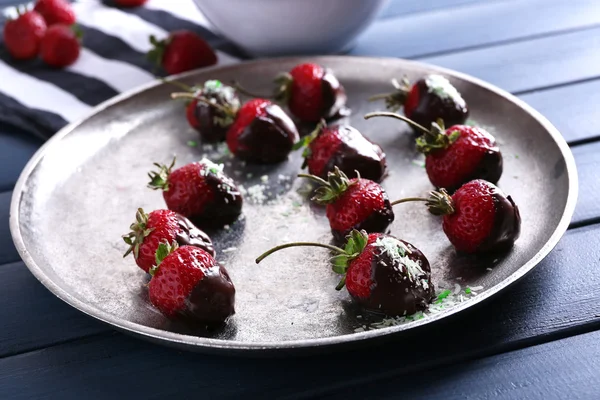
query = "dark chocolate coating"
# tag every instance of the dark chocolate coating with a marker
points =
(190, 235)
(431, 106)
(269, 138)
(208, 129)
(393, 292)
(490, 166)
(211, 131)
(377, 221)
(507, 225)
(357, 153)
(226, 205)
(334, 97)
(212, 300)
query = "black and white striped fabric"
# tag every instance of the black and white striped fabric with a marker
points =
(42, 100)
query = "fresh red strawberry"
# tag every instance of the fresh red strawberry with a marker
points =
(353, 204)
(344, 147)
(22, 36)
(311, 92)
(149, 230)
(56, 12)
(188, 283)
(456, 155)
(382, 273)
(211, 109)
(61, 45)
(181, 51)
(130, 3)
(199, 191)
(429, 99)
(478, 217)
(262, 132)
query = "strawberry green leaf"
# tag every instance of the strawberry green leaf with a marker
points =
(160, 179)
(340, 264)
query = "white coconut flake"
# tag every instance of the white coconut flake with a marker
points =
(257, 193)
(440, 305)
(456, 289)
(476, 288)
(264, 178)
(229, 249)
(211, 167)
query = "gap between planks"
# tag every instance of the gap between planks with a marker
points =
(499, 43)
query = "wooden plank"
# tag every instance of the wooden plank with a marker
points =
(16, 148)
(32, 317)
(399, 8)
(587, 158)
(557, 298)
(572, 109)
(565, 369)
(8, 253)
(532, 64)
(477, 25)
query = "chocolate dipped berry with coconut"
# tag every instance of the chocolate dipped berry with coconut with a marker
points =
(383, 274)
(429, 99)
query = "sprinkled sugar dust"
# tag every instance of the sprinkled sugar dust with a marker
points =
(445, 300)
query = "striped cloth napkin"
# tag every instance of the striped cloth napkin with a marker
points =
(42, 100)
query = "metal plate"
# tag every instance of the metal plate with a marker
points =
(79, 193)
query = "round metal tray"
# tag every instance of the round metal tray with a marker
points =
(79, 193)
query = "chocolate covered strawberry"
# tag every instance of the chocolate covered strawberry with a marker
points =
(149, 230)
(352, 204)
(382, 273)
(478, 217)
(262, 132)
(187, 283)
(211, 109)
(311, 92)
(181, 51)
(199, 191)
(429, 99)
(344, 147)
(455, 155)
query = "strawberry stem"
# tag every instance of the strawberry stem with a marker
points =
(398, 116)
(242, 90)
(299, 244)
(341, 284)
(409, 199)
(336, 184)
(394, 100)
(307, 140)
(178, 84)
(438, 203)
(314, 178)
(379, 96)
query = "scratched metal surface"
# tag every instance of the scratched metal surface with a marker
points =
(79, 194)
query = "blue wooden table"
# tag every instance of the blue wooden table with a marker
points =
(540, 339)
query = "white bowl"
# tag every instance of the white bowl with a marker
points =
(287, 27)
